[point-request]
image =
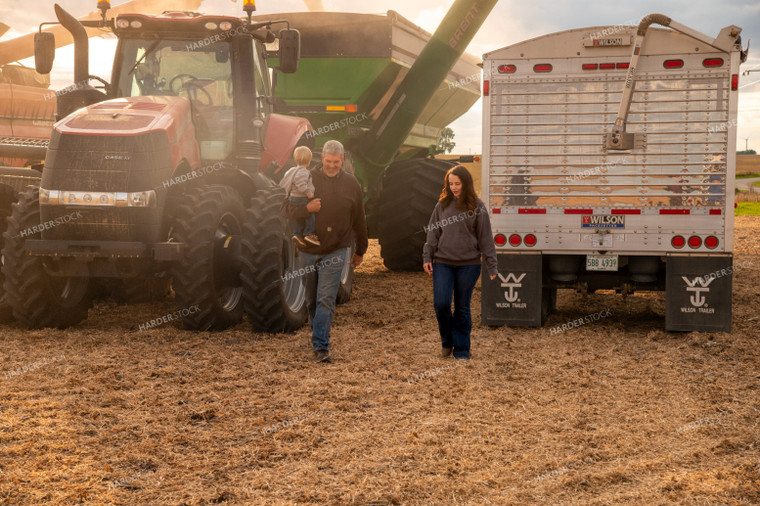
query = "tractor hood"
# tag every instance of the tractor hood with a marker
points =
(130, 116)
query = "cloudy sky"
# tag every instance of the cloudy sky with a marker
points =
(511, 21)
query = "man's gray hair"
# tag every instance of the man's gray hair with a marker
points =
(332, 148)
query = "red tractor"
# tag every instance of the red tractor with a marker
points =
(161, 172)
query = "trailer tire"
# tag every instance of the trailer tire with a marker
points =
(273, 301)
(8, 197)
(37, 298)
(410, 190)
(207, 288)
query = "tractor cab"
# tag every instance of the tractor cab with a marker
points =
(189, 55)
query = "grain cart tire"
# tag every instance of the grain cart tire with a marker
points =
(274, 293)
(37, 297)
(410, 190)
(8, 197)
(206, 279)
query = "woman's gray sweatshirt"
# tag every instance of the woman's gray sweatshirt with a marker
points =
(457, 237)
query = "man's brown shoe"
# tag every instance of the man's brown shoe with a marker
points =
(322, 356)
(445, 352)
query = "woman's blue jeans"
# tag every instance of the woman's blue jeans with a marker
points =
(455, 327)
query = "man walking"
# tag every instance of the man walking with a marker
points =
(339, 206)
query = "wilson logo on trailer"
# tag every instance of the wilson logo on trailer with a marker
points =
(697, 299)
(603, 221)
(511, 283)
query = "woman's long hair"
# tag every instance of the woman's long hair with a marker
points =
(467, 197)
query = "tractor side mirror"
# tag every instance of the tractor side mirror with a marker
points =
(290, 50)
(44, 52)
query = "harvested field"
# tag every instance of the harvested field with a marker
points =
(614, 412)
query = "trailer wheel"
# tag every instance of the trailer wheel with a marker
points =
(410, 190)
(206, 280)
(274, 293)
(8, 197)
(37, 297)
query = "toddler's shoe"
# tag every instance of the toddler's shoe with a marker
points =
(299, 242)
(311, 240)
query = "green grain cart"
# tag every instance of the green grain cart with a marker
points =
(386, 88)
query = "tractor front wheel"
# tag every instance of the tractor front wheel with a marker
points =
(206, 280)
(273, 288)
(38, 297)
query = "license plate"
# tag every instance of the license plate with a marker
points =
(601, 262)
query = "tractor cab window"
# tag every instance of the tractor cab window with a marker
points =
(262, 78)
(200, 73)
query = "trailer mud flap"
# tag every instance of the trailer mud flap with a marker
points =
(698, 294)
(514, 296)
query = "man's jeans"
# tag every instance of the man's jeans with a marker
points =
(305, 226)
(454, 328)
(322, 291)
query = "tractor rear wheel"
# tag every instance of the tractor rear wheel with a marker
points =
(206, 280)
(37, 296)
(410, 190)
(274, 292)
(8, 197)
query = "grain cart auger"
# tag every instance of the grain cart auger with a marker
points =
(395, 87)
(160, 172)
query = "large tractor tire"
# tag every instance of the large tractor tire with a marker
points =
(8, 197)
(410, 190)
(274, 293)
(206, 280)
(37, 297)
(347, 277)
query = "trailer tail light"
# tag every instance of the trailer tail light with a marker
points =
(695, 242)
(496, 210)
(530, 240)
(542, 67)
(626, 211)
(715, 211)
(507, 69)
(711, 242)
(678, 242)
(734, 82)
(590, 66)
(673, 64)
(500, 239)
(579, 211)
(122, 23)
(606, 66)
(712, 62)
(486, 88)
(622, 65)
(515, 240)
(675, 211)
(531, 210)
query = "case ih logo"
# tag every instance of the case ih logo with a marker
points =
(511, 282)
(603, 221)
(697, 299)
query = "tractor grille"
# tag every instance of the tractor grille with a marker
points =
(101, 163)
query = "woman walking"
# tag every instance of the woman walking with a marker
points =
(458, 233)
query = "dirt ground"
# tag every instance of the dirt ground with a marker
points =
(614, 412)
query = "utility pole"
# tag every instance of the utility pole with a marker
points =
(746, 144)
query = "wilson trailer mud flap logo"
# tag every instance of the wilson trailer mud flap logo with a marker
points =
(603, 221)
(698, 287)
(512, 283)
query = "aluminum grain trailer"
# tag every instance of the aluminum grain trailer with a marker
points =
(608, 164)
